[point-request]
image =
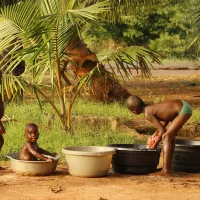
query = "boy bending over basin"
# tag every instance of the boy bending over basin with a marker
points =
(30, 151)
(175, 112)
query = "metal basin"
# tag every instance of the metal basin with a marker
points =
(135, 159)
(186, 156)
(32, 168)
(88, 161)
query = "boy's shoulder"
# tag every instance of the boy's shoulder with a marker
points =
(149, 110)
(152, 108)
(167, 102)
(27, 144)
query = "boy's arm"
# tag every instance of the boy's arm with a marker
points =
(2, 129)
(159, 125)
(37, 154)
(157, 136)
(46, 152)
(164, 124)
(155, 139)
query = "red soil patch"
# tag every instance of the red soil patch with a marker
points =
(62, 186)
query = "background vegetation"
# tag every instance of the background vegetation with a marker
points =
(167, 28)
(48, 41)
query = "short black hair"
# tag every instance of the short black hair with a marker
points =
(31, 125)
(134, 102)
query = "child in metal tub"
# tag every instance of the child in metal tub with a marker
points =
(30, 151)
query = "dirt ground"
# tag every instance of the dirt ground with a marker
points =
(183, 84)
(62, 186)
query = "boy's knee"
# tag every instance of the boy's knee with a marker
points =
(168, 137)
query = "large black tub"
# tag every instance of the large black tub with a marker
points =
(186, 157)
(134, 159)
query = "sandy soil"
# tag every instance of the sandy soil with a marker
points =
(62, 186)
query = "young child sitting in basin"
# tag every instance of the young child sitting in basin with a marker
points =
(173, 113)
(30, 151)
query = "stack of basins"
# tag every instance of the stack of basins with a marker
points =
(186, 156)
(135, 159)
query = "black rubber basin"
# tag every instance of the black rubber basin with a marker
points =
(186, 157)
(134, 159)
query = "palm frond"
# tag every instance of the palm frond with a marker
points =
(21, 15)
(11, 85)
(134, 57)
(16, 21)
(50, 7)
(68, 23)
(125, 7)
(197, 25)
(85, 80)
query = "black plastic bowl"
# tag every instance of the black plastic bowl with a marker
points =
(186, 157)
(135, 159)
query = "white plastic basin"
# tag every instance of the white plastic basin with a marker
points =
(32, 168)
(88, 161)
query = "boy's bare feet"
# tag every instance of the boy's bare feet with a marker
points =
(1, 168)
(160, 173)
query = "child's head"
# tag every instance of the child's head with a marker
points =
(135, 104)
(31, 132)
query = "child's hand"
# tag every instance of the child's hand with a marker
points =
(49, 160)
(153, 141)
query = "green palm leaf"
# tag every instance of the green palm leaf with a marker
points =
(123, 60)
(41, 32)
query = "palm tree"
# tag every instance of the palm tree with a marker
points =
(196, 40)
(46, 35)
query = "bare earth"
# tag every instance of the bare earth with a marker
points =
(62, 186)
(182, 84)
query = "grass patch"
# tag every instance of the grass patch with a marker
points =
(100, 109)
(195, 115)
(52, 137)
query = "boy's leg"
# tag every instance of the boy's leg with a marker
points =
(169, 140)
(1, 141)
(1, 144)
